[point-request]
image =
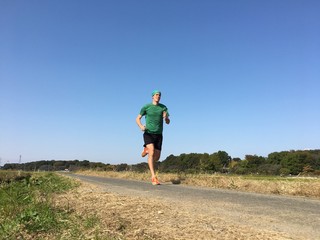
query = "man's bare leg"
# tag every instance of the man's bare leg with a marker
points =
(151, 151)
(156, 155)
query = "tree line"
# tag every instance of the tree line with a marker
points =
(277, 163)
(283, 163)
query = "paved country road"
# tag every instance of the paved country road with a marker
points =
(298, 217)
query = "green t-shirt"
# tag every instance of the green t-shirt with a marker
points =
(154, 117)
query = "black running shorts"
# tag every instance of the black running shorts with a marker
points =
(156, 139)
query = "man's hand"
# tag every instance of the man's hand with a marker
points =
(143, 128)
(165, 116)
(138, 121)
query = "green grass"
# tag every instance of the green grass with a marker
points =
(26, 205)
(28, 209)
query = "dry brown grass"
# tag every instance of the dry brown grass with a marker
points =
(306, 187)
(128, 217)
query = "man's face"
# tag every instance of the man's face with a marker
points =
(156, 97)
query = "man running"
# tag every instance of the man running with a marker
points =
(154, 113)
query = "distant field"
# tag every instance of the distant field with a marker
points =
(295, 186)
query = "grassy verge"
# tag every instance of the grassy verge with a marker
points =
(8, 176)
(306, 187)
(28, 209)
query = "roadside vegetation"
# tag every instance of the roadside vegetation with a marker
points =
(29, 210)
(46, 205)
(293, 186)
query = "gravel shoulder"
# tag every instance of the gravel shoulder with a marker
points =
(180, 212)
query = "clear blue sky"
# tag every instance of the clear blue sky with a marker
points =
(238, 76)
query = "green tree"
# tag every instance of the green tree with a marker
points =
(206, 165)
(214, 162)
(140, 167)
(254, 162)
(122, 167)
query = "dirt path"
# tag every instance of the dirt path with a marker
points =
(137, 210)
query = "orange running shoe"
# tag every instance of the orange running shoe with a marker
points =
(155, 181)
(144, 152)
